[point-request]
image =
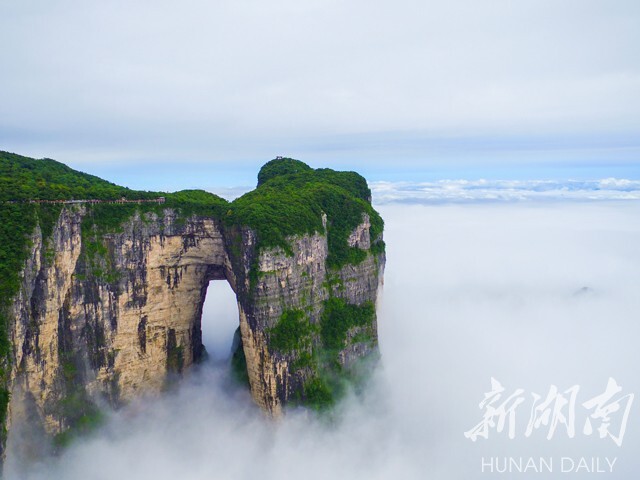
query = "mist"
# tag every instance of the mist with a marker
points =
(471, 292)
(219, 320)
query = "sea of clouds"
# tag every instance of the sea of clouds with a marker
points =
(532, 293)
(465, 191)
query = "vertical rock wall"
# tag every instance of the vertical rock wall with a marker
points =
(102, 318)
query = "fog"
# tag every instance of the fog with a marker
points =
(219, 319)
(471, 292)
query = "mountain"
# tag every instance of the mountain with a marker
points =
(102, 287)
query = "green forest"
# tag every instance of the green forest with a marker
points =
(289, 200)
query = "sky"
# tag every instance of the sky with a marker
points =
(532, 294)
(199, 94)
(457, 112)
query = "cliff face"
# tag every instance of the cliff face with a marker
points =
(301, 282)
(102, 317)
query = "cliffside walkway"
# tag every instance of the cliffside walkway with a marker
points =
(120, 201)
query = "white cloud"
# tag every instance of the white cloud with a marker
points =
(145, 79)
(455, 191)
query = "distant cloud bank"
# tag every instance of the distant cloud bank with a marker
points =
(465, 191)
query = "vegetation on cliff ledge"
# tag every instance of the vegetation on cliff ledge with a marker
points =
(339, 317)
(292, 333)
(342, 324)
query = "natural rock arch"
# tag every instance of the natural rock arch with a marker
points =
(110, 296)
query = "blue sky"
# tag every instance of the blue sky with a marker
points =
(167, 95)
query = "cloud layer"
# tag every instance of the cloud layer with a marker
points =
(238, 80)
(472, 191)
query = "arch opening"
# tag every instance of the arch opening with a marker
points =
(220, 319)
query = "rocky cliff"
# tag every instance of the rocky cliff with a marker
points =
(110, 299)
